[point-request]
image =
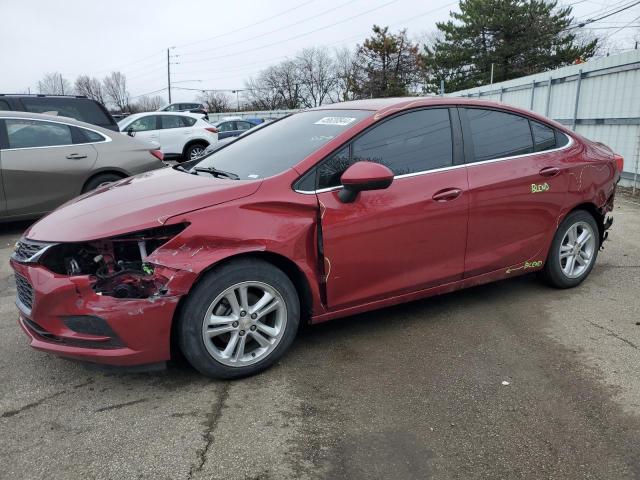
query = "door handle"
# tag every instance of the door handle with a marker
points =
(550, 171)
(447, 194)
(76, 156)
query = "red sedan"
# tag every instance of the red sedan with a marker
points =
(326, 213)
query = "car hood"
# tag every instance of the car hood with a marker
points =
(135, 203)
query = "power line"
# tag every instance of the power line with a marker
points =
(294, 37)
(592, 20)
(246, 26)
(342, 40)
(620, 28)
(127, 64)
(279, 29)
(148, 93)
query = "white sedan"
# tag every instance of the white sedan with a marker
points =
(180, 135)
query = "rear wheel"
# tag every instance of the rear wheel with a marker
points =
(194, 151)
(239, 319)
(573, 252)
(101, 180)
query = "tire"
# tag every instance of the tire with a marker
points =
(205, 342)
(558, 271)
(193, 151)
(100, 180)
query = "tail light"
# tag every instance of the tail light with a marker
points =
(619, 162)
(157, 153)
(211, 129)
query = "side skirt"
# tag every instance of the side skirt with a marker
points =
(429, 292)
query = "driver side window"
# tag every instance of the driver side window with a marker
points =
(412, 142)
(143, 124)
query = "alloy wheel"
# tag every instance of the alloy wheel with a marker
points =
(577, 249)
(196, 152)
(244, 324)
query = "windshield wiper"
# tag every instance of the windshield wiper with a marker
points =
(182, 169)
(217, 173)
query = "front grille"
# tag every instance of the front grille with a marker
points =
(26, 249)
(25, 291)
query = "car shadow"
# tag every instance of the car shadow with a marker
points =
(15, 228)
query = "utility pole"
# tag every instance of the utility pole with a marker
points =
(61, 84)
(169, 74)
(491, 81)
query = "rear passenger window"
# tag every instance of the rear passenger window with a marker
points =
(188, 121)
(409, 143)
(4, 105)
(87, 136)
(561, 139)
(544, 138)
(34, 133)
(171, 121)
(498, 134)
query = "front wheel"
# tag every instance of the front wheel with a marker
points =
(573, 251)
(239, 319)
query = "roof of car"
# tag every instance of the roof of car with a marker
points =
(52, 118)
(385, 106)
(175, 114)
(377, 104)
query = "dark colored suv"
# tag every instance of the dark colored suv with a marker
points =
(78, 107)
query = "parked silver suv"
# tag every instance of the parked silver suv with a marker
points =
(46, 160)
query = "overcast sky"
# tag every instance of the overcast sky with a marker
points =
(220, 43)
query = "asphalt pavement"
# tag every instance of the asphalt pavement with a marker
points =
(504, 381)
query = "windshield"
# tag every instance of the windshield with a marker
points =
(282, 144)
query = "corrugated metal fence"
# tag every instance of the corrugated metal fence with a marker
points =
(599, 99)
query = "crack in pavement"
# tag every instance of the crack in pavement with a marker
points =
(119, 405)
(11, 413)
(613, 334)
(212, 422)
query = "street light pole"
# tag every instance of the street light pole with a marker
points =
(169, 74)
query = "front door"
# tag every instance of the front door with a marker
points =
(41, 166)
(407, 237)
(517, 187)
(146, 128)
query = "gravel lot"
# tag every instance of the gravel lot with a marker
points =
(415, 391)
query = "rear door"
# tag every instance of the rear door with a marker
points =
(517, 187)
(41, 166)
(409, 236)
(173, 133)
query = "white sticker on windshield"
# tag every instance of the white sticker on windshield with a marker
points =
(342, 121)
(253, 176)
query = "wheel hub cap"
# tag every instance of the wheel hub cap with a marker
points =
(244, 324)
(577, 249)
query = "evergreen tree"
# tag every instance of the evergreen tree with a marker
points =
(520, 37)
(386, 65)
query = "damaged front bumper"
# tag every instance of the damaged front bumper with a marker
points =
(64, 315)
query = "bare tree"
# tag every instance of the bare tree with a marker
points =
(262, 96)
(90, 87)
(54, 84)
(346, 74)
(317, 75)
(146, 104)
(215, 102)
(115, 88)
(278, 86)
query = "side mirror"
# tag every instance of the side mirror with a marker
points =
(131, 132)
(363, 176)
